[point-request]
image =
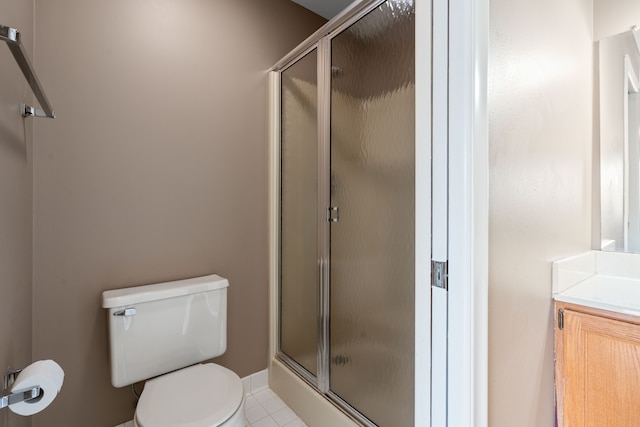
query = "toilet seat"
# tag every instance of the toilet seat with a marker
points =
(203, 395)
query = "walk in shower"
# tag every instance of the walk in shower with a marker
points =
(346, 216)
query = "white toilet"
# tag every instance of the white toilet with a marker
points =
(163, 331)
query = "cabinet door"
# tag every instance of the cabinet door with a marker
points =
(599, 372)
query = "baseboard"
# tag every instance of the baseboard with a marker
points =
(256, 381)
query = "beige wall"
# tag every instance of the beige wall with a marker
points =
(155, 169)
(614, 16)
(540, 141)
(15, 206)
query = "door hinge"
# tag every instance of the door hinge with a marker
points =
(439, 274)
(561, 319)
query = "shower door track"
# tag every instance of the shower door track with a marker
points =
(336, 400)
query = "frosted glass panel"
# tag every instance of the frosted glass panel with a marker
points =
(299, 200)
(372, 244)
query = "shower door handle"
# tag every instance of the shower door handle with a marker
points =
(333, 214)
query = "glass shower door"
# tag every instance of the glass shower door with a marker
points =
(372, 197)
(299, 277)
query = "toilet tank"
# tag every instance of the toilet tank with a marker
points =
(155, 329)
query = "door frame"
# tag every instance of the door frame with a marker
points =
(468, 212)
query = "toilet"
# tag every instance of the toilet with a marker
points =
(162, 333)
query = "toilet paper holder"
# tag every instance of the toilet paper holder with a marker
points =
(9, 377)
(19, 396)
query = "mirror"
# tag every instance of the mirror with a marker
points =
(619, 67)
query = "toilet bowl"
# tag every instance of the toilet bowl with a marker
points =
(203, 395)
(161, 333)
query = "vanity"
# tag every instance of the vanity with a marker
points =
(597, 339)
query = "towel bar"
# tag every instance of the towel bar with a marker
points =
(12, 37)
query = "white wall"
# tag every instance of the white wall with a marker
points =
(540, 144)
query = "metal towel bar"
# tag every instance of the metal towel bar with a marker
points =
(12, 37)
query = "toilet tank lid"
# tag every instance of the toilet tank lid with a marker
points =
(145, 293)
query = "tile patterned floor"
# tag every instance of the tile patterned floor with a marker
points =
(263, 408)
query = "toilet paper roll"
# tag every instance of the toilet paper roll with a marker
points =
(44, 373)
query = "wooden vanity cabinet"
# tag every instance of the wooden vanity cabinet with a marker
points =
(597, 367)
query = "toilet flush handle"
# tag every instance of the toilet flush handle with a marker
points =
(130, 311)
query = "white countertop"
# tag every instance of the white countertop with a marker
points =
(605, 280)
